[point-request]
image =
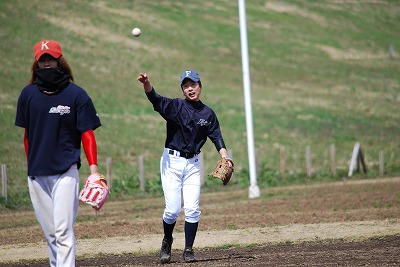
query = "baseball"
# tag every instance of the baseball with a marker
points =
(136, 32)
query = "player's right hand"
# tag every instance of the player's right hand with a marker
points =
(143, 78)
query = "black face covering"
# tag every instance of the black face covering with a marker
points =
(52, 79)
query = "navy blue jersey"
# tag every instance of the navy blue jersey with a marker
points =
(54, 125)
(189, 123)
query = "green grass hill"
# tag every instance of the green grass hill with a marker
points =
(322, 73)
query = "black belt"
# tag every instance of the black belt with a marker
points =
(186, 155)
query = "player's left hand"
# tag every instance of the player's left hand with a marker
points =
(95, 191)
(224, 170)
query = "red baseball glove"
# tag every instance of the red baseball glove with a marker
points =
(95, 191)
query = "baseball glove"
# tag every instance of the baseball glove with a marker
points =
(223, 170)
(95, 191)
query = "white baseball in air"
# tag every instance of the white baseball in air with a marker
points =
(136, 32)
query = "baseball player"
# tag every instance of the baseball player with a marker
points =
(189, 123)
(57, 116)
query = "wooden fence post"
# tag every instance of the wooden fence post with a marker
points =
(391, 51)
(283, 161)
(357, 157)
(333, 159)
(308, 161)
(381, 164)
(230, 154)
(4, 181)
(141, 173)
(257, 159)
(109, 176)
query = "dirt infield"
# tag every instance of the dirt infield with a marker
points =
(348, 223)
(371, 252)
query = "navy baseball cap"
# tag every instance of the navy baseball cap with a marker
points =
(190, 74)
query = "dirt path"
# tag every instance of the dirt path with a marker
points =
(295, 233)
(371, 252)
(325, 214)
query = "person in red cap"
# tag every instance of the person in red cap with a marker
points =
(57, 116)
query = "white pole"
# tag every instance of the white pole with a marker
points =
(254, 191)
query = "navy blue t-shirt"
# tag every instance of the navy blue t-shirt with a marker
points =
(189, 123)
(54, 125)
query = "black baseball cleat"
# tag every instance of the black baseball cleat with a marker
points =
(165, 252)
(188, 255)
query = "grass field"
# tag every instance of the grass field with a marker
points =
(321, 74)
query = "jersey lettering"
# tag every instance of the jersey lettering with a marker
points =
(203, 122)
(60, 109)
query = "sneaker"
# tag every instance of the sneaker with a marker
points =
(165, 252)
(188, 255)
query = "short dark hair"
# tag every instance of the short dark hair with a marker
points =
(199, 82)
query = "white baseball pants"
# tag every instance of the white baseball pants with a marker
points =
(55, 202)
(180, 177)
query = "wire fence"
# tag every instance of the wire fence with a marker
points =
(286, 163)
